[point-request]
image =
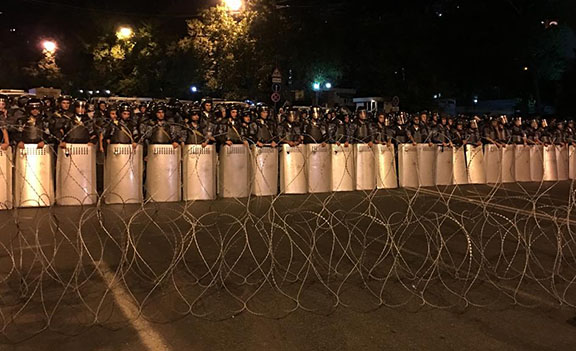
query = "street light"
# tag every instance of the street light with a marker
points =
(193, 89)
(233, 5)
(124, 33)
(316, 86)
(328, 85)
(49, 47)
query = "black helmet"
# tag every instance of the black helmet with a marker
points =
(5, 99)
(262, 107)
(23, 100)
(80, 103)
(64, 98)
(33, 103)
(124, 107)
(315, 112)
(160, 107)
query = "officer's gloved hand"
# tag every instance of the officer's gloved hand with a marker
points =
(175, 145)
(5, 146)
(204, 144)
(63, 145)
(229, 142)
(259, 144)
(41, 145)
(21, 145)
(273, 144)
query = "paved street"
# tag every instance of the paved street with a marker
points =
(467, 267)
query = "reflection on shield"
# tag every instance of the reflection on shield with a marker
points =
(365, 171)
(199, 169)
(163, 173)
(234, 171)
(264, 171)
(34, 180)
(408, 165)
(572, 160)
(562, 162)
(384, 158)
(493, 164)
(459, 166)
(292, 174)
(318, 168)
(444, 165)
(475, 163)
(550, 164)
(536, 163)
(426, 164)
(522, 163)
(76, 175)
(6, 179)
(123, 174)
(508, 173)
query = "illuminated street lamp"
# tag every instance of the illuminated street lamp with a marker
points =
(316, 86)
(233, 5)
(328, 85)
(49, 47)
(124, 33)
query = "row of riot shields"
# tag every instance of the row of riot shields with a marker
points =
(238, 171)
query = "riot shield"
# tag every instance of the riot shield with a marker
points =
(508, 164)
(536, 163)
(408, 165)
(199, 170)
(572, 160)
(426, 164)
(459, 166)
(365, 171)
(76, 175)
(318, 168)
(493, 163)
(123, 171)
(33, 177)
(6, 179)
(475, 163)
(386, 166)
(292, 170)
(550, 164)
(264, 171)
(522, 163)
(343, 168)
(234, 171)
(444, 165)
(163, 173)
(562, 161)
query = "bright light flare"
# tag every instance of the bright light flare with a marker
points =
(124, 33)
(49, 46)
(233, 5)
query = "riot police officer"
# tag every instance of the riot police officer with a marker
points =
(472, 135)
(383, 131)
(559, 136)
(289, 131)
(517, 133)
(80, 128)
(265, 126)
(362, 132)
(544, 132)
(207, 113)
(247, 127)
(196, 131)
(159, 130)
(457, 134)
(416, 134)
(4, 136)
(315, 128)
(400, 130)
(229, 129)
(123, 130)
(32, 128)
(339, 128)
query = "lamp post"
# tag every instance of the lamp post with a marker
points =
(124, 33)
(233, 5)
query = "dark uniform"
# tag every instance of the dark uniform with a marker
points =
(315, 129)
(289, 131)
(361, 129)
(33, 128)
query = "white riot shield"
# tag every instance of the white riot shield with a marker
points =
(343, 168)
(292, 170)
(459, 166)
(385, 166)
(536, 163)
(123, 171)
(408, 166)
(199, 170)
(562, 161)
(264, 171)
(572, 160)
(365, 171)
(426, 164)
(234, 171)
(444, 165)
(163, 173)
(33, 178)
(318, 168)
(508, 164)
(493, 164)
(475, 163)
(550, 164)
(6, 179)
(522, 163)
(76, 175)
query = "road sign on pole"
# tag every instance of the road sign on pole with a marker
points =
(276, 87)
(276, 76)
(275, 97)
(395, 101)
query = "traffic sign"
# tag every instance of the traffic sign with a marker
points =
(276, 76)
(395, 101)
(275, 97)
(276, 87)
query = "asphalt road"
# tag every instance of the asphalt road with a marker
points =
(462, 267)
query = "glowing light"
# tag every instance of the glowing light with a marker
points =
(328, 85)
(49, 46)
(233, 5)
(525, 68)
(193, 89)
(316, 86)
(124, 33)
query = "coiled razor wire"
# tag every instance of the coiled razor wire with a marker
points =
(442, 247)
